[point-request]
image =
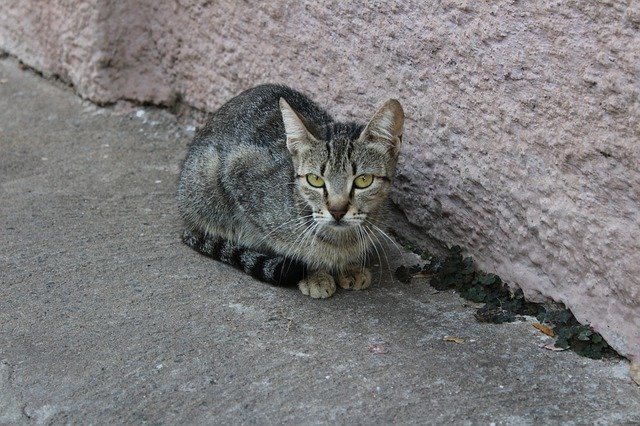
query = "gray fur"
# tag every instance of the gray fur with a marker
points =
(244, 181)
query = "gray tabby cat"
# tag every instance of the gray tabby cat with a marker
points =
(274, 186)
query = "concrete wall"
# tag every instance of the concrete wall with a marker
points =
(523, 118)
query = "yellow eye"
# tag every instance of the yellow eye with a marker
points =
(363, 181)
(315, 180)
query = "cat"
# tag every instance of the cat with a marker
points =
(273, 185)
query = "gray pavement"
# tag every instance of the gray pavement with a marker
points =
(105, 317)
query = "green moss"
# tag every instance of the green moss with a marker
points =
(501, 304)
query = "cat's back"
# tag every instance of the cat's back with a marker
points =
(253, 118)
(239, 160)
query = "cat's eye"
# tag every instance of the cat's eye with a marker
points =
(315, 180)
(363, 181)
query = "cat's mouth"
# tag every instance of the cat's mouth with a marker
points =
(341, 225)
(337, 232)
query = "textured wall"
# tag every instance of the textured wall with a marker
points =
(523, 124)
(57, 39)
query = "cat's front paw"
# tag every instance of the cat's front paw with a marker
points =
(358, 279)
(318, 285)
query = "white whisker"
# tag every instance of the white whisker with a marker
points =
(384, 234)
(304, 220)
(371, 234)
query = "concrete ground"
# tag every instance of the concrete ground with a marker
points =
(105, 317)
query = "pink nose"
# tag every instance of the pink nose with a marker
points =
(338, 213)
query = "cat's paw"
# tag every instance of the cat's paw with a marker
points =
(358, 279)
(318, 285)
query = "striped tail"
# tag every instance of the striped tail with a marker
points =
(276, 270)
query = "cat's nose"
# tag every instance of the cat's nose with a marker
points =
(338, 213)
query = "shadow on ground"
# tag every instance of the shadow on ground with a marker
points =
(105, 317)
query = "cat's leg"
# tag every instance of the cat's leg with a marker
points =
(319, 285)
(356, 279)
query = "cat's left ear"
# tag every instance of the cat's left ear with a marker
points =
(297, 134)
(386, 127)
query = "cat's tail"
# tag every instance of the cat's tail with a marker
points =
(273, 269)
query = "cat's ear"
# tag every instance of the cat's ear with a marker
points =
(386, 126)
(297, 133)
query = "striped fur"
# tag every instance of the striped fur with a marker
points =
(276, 270)
(245, 198)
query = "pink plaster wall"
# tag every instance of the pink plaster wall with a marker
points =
(523, 118)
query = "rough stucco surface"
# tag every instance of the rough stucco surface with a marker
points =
(523, 118)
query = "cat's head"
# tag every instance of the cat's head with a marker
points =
(344, 171)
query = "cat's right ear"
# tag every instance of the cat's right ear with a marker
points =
(385, 128)
(297, 133)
